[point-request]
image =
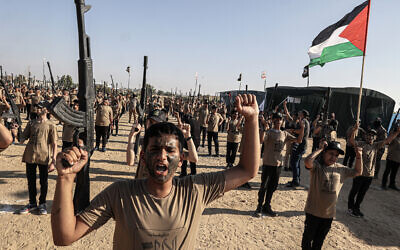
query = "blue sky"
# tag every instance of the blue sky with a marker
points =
(218, 39)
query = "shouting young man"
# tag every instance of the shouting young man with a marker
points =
(159, 211)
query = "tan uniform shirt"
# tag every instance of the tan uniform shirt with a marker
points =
(369, 156)
(213, 121)
(146, 222)
(41, 135)
(394, 150)
(103, 115)
(203, 113)
(233, 132)
(275, 144)
(325, 185)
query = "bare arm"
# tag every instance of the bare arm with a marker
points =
(353, 136)
(300, 137)
(250, 155)
(130, 152)
(192, 152)
(66, 227)
(358, 167)
(391, 137)
(289, 117)
(5, 137)
(309, 160)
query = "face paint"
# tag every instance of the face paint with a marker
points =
(162, 157)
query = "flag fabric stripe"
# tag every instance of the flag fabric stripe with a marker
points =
(356, 30)
(346, 38)
(346, 20)
(316, 51)
(336, 52)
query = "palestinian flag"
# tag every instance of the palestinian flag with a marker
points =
(346, 38)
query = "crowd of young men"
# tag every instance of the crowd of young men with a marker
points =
(163, 147)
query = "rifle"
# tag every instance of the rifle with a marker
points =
(325, 125)
(104, 89)
(272, 99)
(14, 109)
(141, 107)
(83, 119)
(112, 82)
(52, 79)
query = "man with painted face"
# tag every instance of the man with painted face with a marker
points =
(361, 184)
(160, 212)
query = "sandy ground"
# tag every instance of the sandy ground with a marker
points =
(226, 224)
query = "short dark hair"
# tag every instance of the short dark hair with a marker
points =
(158, 129)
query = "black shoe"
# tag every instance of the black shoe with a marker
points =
(96, 148)
(258, 212)
(209, 154)
(353, 213)
(292, 184)
(358, 212)
(216, 155)
(267, 211)
(383, 188)
(394, 187)
(246, 185)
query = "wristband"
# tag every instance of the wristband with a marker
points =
(189, 138)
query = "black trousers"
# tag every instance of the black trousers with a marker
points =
(221, 128)
(203, 130)
(315, 231)
(115, 126)
(213, 136)
(359, 188)
(28, 111)
(269, 182)
(31, 176)
(391, 168)
(184, 168)
(349, 156)
(101, 133)
(231, 150)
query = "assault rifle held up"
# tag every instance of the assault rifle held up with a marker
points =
(14, 108)
(52, 79)
(83, 119)
(142, 104)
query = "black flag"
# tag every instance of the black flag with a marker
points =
(305, 71)
(240, 77)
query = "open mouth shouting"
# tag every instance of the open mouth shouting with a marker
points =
(161, 169)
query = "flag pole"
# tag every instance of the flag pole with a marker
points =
(362, 68)
(308, 79)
